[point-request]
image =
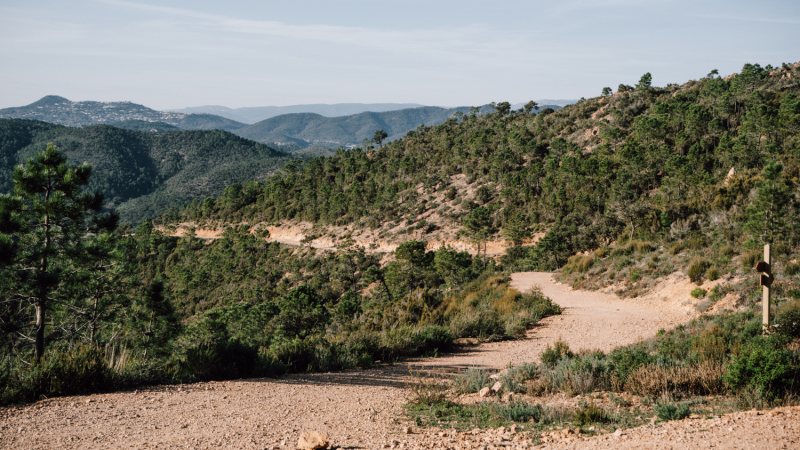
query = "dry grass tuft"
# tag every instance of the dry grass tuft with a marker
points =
(701, 379)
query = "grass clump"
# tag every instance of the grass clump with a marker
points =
(590, 414)
(697, 268)
(578, 263)
(698, 293)
(470, 381)
(669, 411)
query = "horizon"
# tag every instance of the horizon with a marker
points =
(250, 54)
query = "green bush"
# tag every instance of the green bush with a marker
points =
(627, 359)
(712, 273)
(552, 355)
(765, 366)
(788, 323)
(792, 269)
(80, 370)
(698, 293)
(669, 411)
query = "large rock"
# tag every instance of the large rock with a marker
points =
(485, 392)
(311, 440)
(496, 387)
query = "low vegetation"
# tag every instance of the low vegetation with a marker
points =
(711, 365)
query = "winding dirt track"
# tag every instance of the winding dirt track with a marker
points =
(356, 409)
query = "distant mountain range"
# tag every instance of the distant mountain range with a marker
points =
(55, 109)
(251, 115)
(288, 131)
(307, 129)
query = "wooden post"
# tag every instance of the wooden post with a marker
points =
(766, 295)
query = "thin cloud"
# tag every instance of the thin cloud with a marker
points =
(467, 39)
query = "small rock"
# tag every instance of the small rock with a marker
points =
(407, 430)
(312, 440)
(618, 433)
(485, 392)
(88, 400)
(508, 398)
(513, 429)
(497, 386)
(567, 431)
(498, 375)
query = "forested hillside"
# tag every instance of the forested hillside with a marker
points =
(143, 173)
(639, 163)
(308, 129)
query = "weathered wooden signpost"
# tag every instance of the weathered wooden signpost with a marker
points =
(766, 281)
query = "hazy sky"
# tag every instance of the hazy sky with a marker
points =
(173, 54)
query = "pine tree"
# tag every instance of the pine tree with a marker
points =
(51, 237)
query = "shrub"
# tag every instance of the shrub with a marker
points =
(519, 411)
(750, 259)
(590, 414)
(578, 263)
(698, 293)
(634, 246)
(788, 323)
(712, 273)
(669, 411)
(470, 381)
(763, 365)
(80, 370)
(514, 380)
(552, 355)
(627, 359)
(675, 248)
(726, 250)
(697, 268)
(792, 269)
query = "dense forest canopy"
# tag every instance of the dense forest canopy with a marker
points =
(636, 163)
(143, 173)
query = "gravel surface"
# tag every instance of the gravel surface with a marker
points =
(363, 409)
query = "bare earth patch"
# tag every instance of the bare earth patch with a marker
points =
(363, 409)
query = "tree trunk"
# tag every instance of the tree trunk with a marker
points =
(41, 306)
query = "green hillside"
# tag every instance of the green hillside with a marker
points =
(308, 129)
(143, 173)
(640, 163)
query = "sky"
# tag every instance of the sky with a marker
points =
(176, 53)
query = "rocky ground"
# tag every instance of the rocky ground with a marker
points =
(363, 409)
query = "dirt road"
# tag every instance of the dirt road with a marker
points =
(358, 409)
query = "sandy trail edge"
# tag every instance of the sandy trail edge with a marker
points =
(357, 409)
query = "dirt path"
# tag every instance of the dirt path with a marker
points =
(357, 409)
